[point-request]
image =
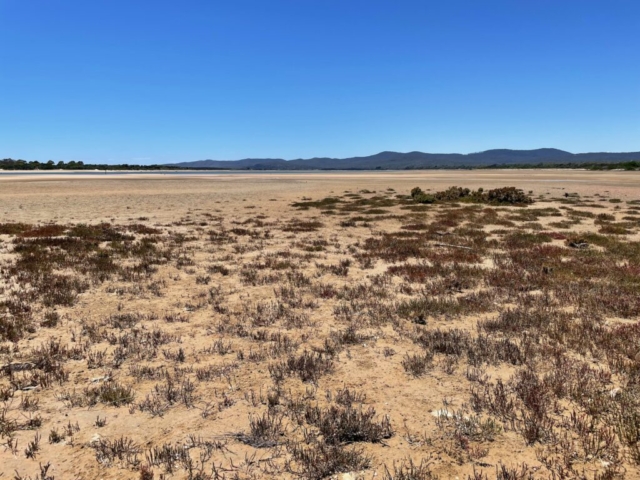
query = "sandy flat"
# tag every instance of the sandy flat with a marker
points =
(162, 196)
(244, 263)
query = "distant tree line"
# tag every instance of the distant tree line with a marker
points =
(633, 165)
(629, 166)
(11, 164)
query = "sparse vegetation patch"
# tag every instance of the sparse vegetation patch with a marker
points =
(447, 333)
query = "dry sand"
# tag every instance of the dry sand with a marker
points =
(194, 204)
(80, 198)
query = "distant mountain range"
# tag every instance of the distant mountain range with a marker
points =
(418, 160)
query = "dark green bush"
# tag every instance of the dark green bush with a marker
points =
(420, 197)
(497, 196)
(508, 196)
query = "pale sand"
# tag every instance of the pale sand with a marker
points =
(59, 197)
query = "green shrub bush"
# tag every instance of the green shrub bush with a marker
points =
(497, 196)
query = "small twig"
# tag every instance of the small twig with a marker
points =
(453, 246)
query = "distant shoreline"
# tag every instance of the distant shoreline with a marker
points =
(248, 171)
(206, 171)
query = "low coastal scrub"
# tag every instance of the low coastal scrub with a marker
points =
(497, 196)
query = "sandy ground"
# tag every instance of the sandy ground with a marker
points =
(163, 196)
(194, 204)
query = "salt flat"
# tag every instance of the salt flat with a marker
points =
(82, 198)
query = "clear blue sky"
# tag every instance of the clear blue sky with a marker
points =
(159, 81)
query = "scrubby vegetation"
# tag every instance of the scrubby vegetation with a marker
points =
(497, 196)
(462, 333)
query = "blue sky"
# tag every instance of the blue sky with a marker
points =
(159, 81)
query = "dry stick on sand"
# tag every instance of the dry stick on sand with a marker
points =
(453, 246)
